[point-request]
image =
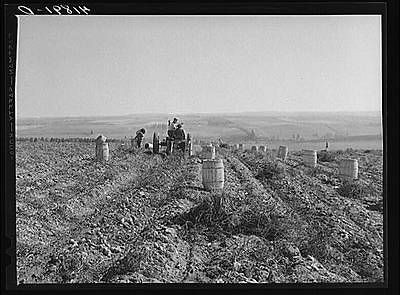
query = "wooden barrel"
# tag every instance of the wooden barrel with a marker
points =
(190, 148)
(282, 152)
(189, 144)
(209, 152)
(212, 174)
(262, 148)
(310, 158)
(348, 168)
(254, 148)
(102, 150)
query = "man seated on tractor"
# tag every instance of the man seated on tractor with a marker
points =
(172, 127)
(139, 137)
(179, 136)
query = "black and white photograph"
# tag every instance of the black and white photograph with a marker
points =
(206, 149)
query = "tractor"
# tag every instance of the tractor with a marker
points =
(170, 145)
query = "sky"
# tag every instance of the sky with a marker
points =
(118, 65)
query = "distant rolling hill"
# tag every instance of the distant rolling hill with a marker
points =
(229, 127)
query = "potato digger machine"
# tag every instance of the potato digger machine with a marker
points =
(170, 145)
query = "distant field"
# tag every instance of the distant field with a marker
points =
(229, 127)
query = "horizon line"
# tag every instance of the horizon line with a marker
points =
(194, 113)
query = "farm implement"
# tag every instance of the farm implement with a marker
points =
(169, 145)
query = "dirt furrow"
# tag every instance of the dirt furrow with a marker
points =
(332, 219)
(69, 221)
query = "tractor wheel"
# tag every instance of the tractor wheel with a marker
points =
(156, 143)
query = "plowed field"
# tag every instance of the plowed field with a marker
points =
(145, 218)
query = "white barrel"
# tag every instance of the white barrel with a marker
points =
(241, 146)
(190, 148)
(148, 145)
(348, 168)
(283, 152)
(310, 158)
(254, 148)
(102, 150)
(212, 174)
(209, 152)
(262, 148)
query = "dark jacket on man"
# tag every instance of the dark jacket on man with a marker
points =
(179, 134)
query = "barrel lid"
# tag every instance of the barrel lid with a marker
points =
(212, 160)
(350, 160)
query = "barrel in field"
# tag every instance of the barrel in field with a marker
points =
(310, 158)
(282, 152)
(190, 148)
(254, 148)
(148, 146)
(212, 174)
(102, 150)
(262, 148)
(209, 152)
(189, 145)
(348, 168)
(241, 146)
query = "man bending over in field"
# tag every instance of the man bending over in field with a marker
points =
(139, 137)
